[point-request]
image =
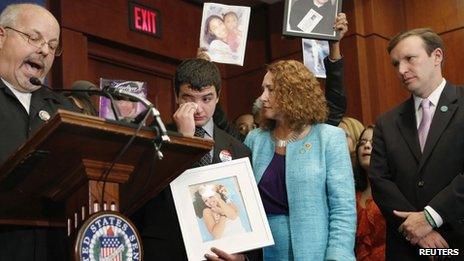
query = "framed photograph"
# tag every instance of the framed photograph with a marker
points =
(314, 52)
(219, 206)
(223, 33)
(126, 110)
(313, 19)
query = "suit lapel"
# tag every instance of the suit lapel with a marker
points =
(444, 112)
(406, 123)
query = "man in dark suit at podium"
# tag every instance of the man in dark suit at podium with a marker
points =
(197, 84)
(29, 42)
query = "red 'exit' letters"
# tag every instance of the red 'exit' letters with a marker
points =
(145, 20)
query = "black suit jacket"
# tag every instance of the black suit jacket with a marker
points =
(16, 126)
(158, 224)
(405, 179)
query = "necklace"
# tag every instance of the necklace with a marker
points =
(283, 143)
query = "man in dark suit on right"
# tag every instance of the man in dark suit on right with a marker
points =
(418, 154)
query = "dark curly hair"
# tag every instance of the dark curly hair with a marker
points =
(197, 73)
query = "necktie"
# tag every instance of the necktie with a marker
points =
(424, 125)
(206, 159)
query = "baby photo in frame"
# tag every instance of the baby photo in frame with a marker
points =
(312, 19)
(219, 206)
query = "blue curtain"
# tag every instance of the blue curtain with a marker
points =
(4, 3)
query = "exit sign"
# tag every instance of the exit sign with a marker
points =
(144, 19)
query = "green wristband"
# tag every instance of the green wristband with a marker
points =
(429, 219)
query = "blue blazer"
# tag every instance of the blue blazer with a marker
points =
(320, 190)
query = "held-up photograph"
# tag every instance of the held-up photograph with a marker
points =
(312, 19)
(223, 33)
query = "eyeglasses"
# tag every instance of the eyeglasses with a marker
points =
(39, 42)
(363, 142)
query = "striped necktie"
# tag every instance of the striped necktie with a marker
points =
(206, 159)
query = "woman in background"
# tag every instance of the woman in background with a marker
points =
(370, 233)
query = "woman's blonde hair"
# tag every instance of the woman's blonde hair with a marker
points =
(298, 95)
(352, 126)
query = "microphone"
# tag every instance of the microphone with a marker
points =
(85, 87)
(127, 95)
(37, 82)
(151, 108)
(90, 88)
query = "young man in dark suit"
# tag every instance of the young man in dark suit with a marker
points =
(418, 153)
(197, 84)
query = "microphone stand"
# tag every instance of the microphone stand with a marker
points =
(161, 135)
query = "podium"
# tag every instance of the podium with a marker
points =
(54, 179)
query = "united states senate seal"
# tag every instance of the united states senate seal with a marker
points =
(108, 236)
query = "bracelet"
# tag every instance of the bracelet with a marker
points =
(429, 219)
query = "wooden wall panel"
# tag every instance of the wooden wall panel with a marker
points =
(371, 84)
(242, 92)
(454, 56)
(109, 20)
(383, 18)
(280, 46)
(73, 57)
(442, 16)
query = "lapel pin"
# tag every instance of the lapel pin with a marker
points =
(444, 108)
(44, 115)
(306, 147)
(225, 155)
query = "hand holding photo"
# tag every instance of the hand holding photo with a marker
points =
(313, 19)
(224, 31)
(219, 206)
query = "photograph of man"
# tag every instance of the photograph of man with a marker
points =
(418, 152)
(312, 16)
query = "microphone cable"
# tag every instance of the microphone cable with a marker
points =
(105, 174)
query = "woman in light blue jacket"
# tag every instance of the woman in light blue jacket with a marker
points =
(303, 169)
